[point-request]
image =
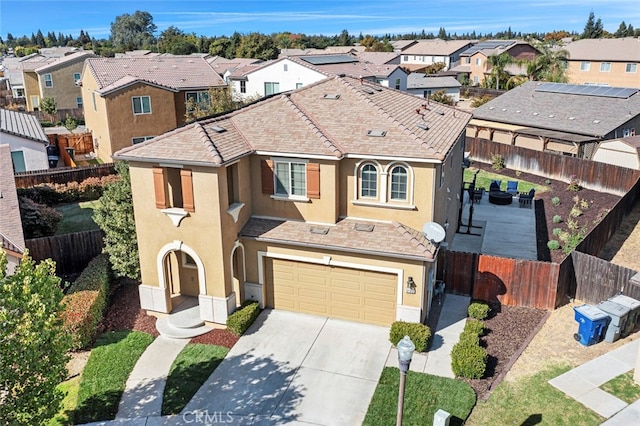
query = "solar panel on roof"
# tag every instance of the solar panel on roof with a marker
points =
(586, 90)
(328, 59)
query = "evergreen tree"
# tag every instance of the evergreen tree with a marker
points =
(40, 39)
(621, 31)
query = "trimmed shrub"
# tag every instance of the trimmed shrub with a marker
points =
(243, 317)
(85, 302)
(468, 360)
(38, 220)
(557, 218)
(419, 334)
(553, 245)
(556, 231)
(474, 327)
(478, 310)
(555, 201)
(52, 193)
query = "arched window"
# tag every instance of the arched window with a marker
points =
(399, 178)
(369, 181)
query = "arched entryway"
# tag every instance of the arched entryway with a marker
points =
(180, 274)
(238, 271)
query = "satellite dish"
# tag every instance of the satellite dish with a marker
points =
(434, 232)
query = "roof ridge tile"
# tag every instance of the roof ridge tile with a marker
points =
(208, 143)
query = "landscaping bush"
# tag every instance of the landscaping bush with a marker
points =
(556, 231)
(468, 360)
(497, 162)
(52, 193)
(418, 333)
(86, 301)
(478, 310)
(474, 327)
(555, 201)
(553, 245)
(38, 220)
(469, 338)
(243, 317)
(557, 218)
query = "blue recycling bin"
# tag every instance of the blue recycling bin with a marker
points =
(592, 324)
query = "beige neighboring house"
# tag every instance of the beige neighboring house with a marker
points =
(310, 201)
(60, 79)
(132, 99)
(607, 62)
(619, 152)
(11, 236)
(26, 138)
(428, 52)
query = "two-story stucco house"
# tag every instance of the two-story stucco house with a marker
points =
(309, 201)
(26, 139)
(606, 62)
(428, 52)
(129, 100)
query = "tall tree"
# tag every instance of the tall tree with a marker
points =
(258, 46)
(498, 64)
(114, 215)
(550, 65)
(130, 32)
(593, 28)
(33, 344)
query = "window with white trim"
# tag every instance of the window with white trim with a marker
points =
(585, 66)
(76, 77)
(290, 178)
(48, 80)
(79, 101)
(397, 84)
(478, 61)
(271, 87)
(426, 93)
(467, 60)
(605, 66)
(298, 85)
(398, 184)
(369, 181)
(141, 105)
(141, 139)
(405, 57)
(631, 68)
(243, 86)
(93, 98)
(629, 131)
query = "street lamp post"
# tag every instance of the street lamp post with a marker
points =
(405, 352)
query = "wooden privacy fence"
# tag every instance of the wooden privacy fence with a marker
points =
(62, 175)
(82, 143)
(598, 279)
(60, 115)
(592, 174)
(71, 252)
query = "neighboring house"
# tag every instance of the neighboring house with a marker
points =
(402, 45)
(284, 74)
(379, 58)
(11, 236)
(566, 119)
(129, 100)
(60, 79)
(223, 66)
(428, 52)
(619, 152)
(474, 61)
(606, 61)
(424, 85)
(310, 201)
(26, 138)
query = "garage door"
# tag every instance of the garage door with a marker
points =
(344, 293)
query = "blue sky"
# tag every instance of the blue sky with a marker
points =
(328, 17)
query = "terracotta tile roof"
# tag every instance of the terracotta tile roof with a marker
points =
(399, 240)
(22, 124)
(562, 112)
(436, 47)
(11, 237)
(177, 72)
(66, 61)
(304, 122)
(605, 49)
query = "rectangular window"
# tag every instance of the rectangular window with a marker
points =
(605, 66)
(585, 66)
(427, 93)
(243, 87)
(48, 80)
(173, 187)
(290, 178)
(79, 101)
(76, 77)
(19, 93)
(397, 84)
(141, 139)
(232, 184)
(93, 98)
(478, 61)
(467, 60)
(17, 157)
(286, 67)
(298, 85)
(35, 102)
(270, 88)
(405, 58)
(631, 68)
(197, 99)
(141, 104)
(475, 80)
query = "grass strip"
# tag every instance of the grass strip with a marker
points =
(191, 368)
(104, 377)
(623, 387)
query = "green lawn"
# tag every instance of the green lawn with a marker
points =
(484, 178)
(623, 387)
(65, 415)
(191, 368)
(531, 400)
(104, 377)
(76, 217)
(424, 395)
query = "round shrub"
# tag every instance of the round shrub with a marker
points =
(555, 201)
(478, 310)
(556, 231)
(557, 218)
(468, 360)
(418, 333)
(553, 245)
(474, 327)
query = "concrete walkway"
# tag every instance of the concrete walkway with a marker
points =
(582, 384)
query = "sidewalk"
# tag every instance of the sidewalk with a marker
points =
(582, 384)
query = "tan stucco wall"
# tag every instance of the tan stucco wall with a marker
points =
(96, 119)
(31, 87)
(322, 210)
(617, 77)
(64, 91)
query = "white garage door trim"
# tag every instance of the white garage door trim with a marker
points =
(326, 260)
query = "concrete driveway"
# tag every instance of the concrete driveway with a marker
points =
(295, 368)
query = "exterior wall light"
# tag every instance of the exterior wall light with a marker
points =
(411, 286)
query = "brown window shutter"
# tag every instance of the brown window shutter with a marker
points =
(186, 181)
(313, 180)
(266, 167)
(159, 188)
